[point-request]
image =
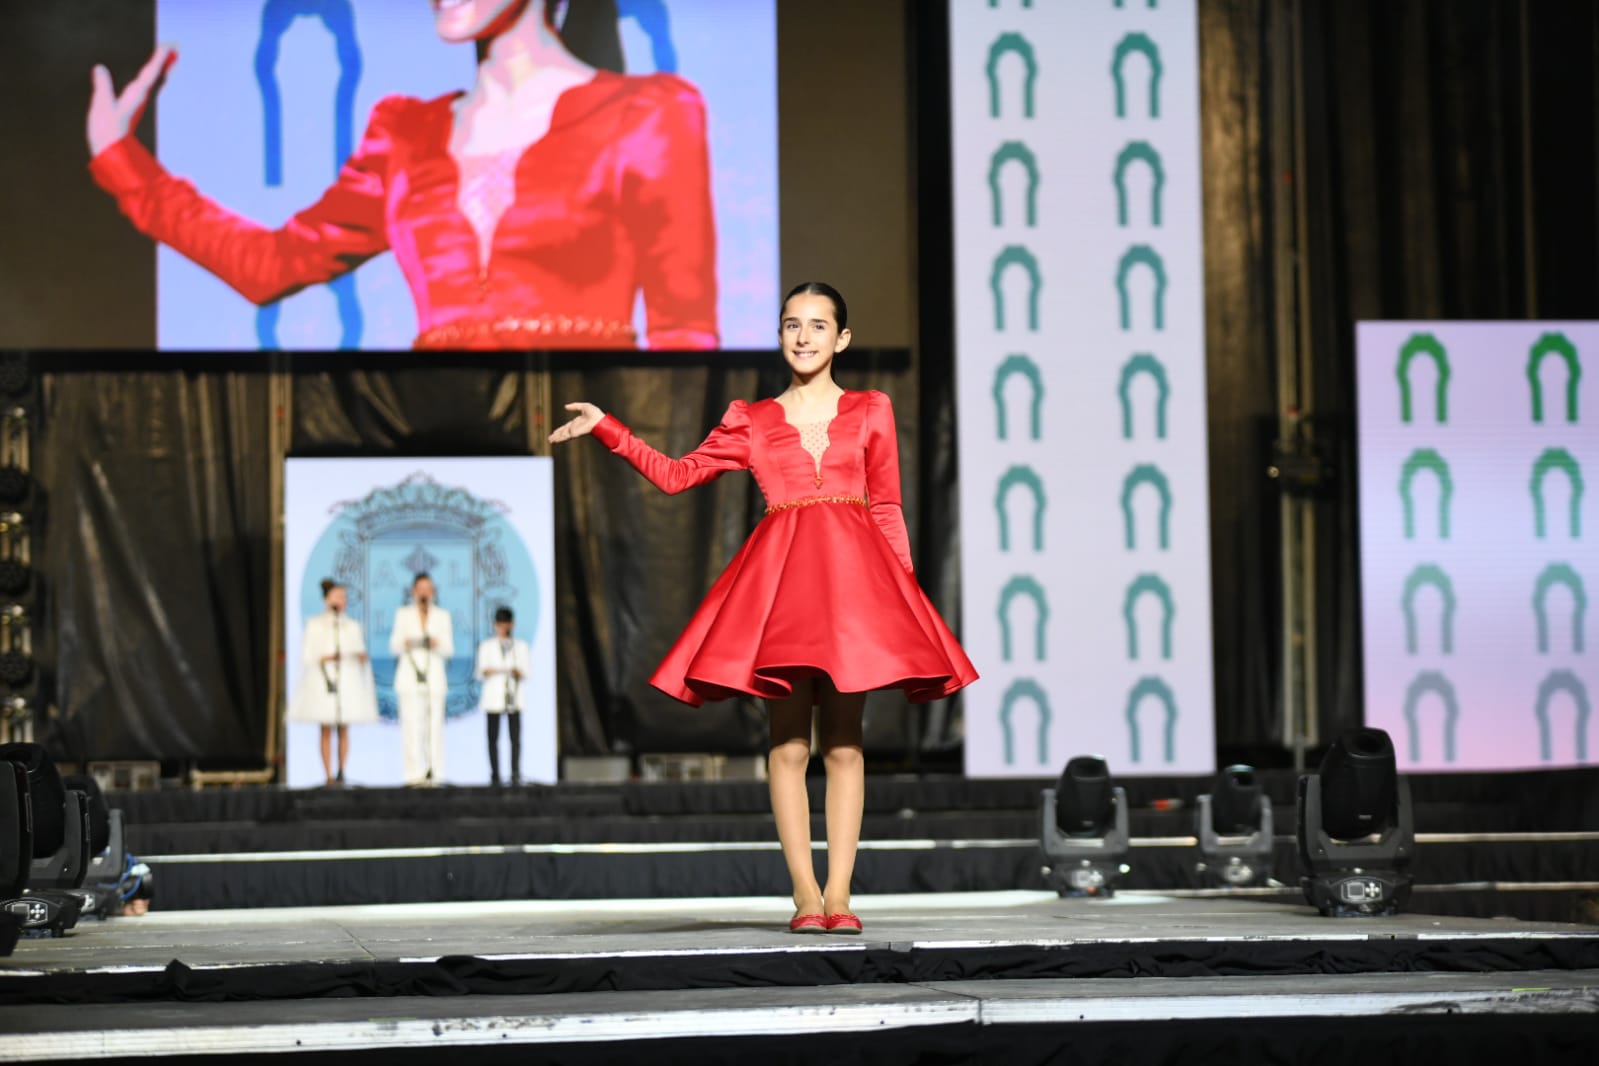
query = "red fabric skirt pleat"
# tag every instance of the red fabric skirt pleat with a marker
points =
(816, 590)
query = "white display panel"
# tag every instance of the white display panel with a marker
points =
(1477, 447)
(1085, 546)
(483, 529)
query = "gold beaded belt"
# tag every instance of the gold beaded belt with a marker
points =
(806, 501)
(528, 332)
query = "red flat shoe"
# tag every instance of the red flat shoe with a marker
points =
(843, 922)
(808, 923)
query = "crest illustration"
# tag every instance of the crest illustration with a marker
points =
(376, 545)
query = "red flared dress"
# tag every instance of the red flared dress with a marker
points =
(824, 585)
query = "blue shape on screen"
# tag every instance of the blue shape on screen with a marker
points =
(652, 19)
(339, 18)
(350, 318)
(349, 301)
(266, 326)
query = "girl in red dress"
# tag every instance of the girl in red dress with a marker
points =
(526, 212)
(821, 605)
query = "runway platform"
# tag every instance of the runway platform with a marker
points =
(1011, 977)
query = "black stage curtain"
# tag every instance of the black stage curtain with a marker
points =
(158, 562)
(1241, 389)
(417, 407)
(634, 562)
(1451, 173)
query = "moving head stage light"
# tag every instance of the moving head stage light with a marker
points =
(16, 847)
(100, 893)
(1234, 827)
(1356, 829)
(1083, 822)
(61, 835)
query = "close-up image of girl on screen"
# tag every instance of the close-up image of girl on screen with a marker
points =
(545, 198)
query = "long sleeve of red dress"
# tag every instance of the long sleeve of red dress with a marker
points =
(882, 477)
(338, 233)
(667, 196)
(727, 448)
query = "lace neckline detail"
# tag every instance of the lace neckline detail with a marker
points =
(813, 435)
(814, 439)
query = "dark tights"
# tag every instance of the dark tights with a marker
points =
(514, 727)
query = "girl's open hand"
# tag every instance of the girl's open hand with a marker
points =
(113, 115)
(588, 416)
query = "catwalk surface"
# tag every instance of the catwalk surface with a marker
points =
(532, 929)
(680, 973)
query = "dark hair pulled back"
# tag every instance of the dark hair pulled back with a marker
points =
(821, 288)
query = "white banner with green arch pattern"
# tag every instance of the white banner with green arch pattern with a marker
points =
(1085, 547)
(1478, 551)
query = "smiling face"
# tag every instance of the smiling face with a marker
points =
(337, 599)
(810, 334)
(457, 21)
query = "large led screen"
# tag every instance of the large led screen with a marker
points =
(1478, 448)
(337, 174)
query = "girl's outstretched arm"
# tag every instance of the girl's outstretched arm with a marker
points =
(727, 447)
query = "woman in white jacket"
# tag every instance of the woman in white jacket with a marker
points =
(422, 642)
(335, 689)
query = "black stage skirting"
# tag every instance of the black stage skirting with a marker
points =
(641, 972)
(1546, 800)
(938, 834)
(297, 881)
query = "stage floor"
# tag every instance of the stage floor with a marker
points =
(528, 930)
(564, 973)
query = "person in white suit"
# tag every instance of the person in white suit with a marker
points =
(503, 663)
(335, 688)
(422, 642)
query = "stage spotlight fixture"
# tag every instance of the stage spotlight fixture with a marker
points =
(16, 719)
(1083, 830)
(1356, 829)
(14, 540)
(61, 836)
(16, 628)
(1234, 827)
(99, 893)
(15, 447)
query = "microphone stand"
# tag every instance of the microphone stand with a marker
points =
(338, 664)
(425, 679)
(510, 676)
